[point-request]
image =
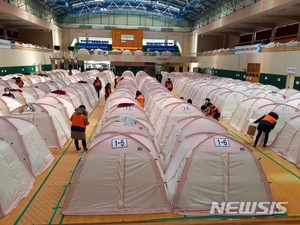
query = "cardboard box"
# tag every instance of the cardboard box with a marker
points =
(251, 130)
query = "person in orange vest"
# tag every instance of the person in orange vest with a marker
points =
(98, 86)
(107, 90)
(266, 123)
(211, 110)
(169, 84)
(140, 98)
(79, 121)
(116, 81)
(19, 82)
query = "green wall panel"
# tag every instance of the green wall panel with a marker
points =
(46, 67)
(229, 73)
(273, 79)
(16, 69)
(297, 83)
(171, 69)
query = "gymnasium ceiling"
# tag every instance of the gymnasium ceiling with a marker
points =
(190, 13)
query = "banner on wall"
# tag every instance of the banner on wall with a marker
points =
(5, 43)
(246, 49)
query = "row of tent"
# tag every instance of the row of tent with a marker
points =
(165, 157)
(31, 127)
(242, 102)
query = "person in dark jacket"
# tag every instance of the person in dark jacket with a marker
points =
(79, 121)
(107, 90)
(211, 110)
(266, 123)
(98, 86)
(8, 93)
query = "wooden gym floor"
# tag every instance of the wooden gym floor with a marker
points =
(44, 202)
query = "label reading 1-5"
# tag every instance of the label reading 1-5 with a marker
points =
(119, 143)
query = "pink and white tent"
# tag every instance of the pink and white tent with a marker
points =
(287, 142)
(48, 120)
(69, 96)
(124, 124)
(215, 93)
(160, 105)
(169, 116)
(16, 180)
(240, 118)
(294, 96)
(153, 98)
(187, 126)
(80, 95)
(8, 104)
(285, 113)
(27, 143)
(274, 96)
(212, 167)
(114, 171)
(253, 92)
(203, 93)
(294, 102)
(288, 92)
(133, 110)
(88, 90)
(22, 96)
(65, 107)
(228, 101)
(35, 92)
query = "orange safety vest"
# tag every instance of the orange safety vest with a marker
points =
(20, 83)
(78, 120)
(107, 91)
(141, 100)
(212, 110)
(169, 85)
(97, 83)
(270, 119)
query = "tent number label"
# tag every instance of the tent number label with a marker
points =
(185, 108)
(119, 143)
(221, 142)
(128, 108)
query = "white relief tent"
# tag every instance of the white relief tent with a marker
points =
(49, 121)
(27, 143)
(285, 113)
(187, 126)
(110, 155)
(228, 101)
(211, 167)
(287, 142)
(8, 104)
(65, 107)
(169, 116)
(16, 180)
(240, 118)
